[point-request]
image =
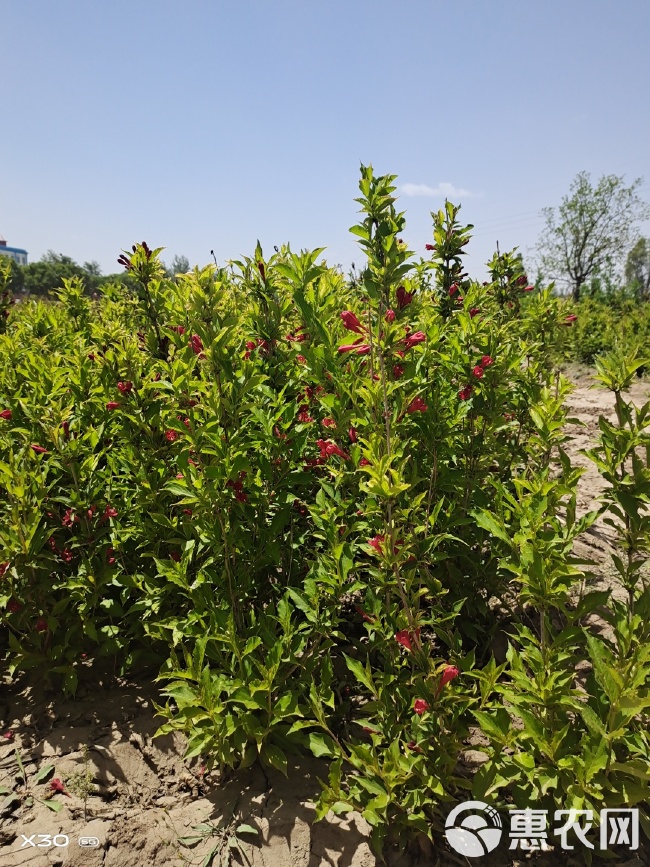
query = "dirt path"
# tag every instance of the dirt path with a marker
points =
(146, 798)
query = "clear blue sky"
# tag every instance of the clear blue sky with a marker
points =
(206, 125)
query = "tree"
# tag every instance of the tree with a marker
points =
(637, 269)
(179, 265)
(42, 278)
(593, 228)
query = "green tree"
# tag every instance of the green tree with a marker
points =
(592, 228)
(47, 275)
(179, 265)
(637, 269)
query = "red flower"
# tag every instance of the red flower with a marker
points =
(109, 512)
(3, 568)
(187, 512)
(328, 448)
(171, 436)
(175, 556)
(474, 311)
(521, 280)
(364, 462)
(429, 247)
(14, 606)
(41, 625)
(66, 555)
(197, 345)
(478, 371)
(69, 519)
(390, 316)
(448, 674)
(125, 387)
(414, 339)
(91, 356)
(56, 785)
(261, 269)
(465, 393)
(5, 414)
(420, 706)
(301, 359)
(404, 298)
(486, 361)
(351, 322)
(358, 348)
(110, 558)
(529, 289)
(377, 542)
(91, 511)
(328, 422)
(405, 638)
(413, 746)
(417, 405)
(179, 329)
(570, 319)
(66, 429)
(112, 404)
(352, 433)
(251, 345)
(398, 370)
(453, 289)
(38, 449)
(304, 417)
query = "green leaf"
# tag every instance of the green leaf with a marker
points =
(322, 745)
(274, 757)
(363, 675)
(246, 829)
(43, 774)
(51, 804)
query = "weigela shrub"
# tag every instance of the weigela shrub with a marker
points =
(298, 494)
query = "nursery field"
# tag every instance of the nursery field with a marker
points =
(292, 564)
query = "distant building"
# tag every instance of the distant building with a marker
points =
(15, 253)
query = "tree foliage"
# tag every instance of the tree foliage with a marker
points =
(637, 269)
(591, 231)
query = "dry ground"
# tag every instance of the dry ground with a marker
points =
(146, 797)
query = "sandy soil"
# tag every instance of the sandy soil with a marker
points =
(146, 799)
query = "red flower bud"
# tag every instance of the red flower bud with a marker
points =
(351, 322)
(125, 387)
(5, 414)
(429, 247)
(404, 298)
(420, 706)
(38, 449)
(352, 433)
(112, 404)
(486, 361)
(478, 371)
(474, 311)
(390, 316)
(41, 625)
(449, 673)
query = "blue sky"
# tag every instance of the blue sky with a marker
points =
(207, 125)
